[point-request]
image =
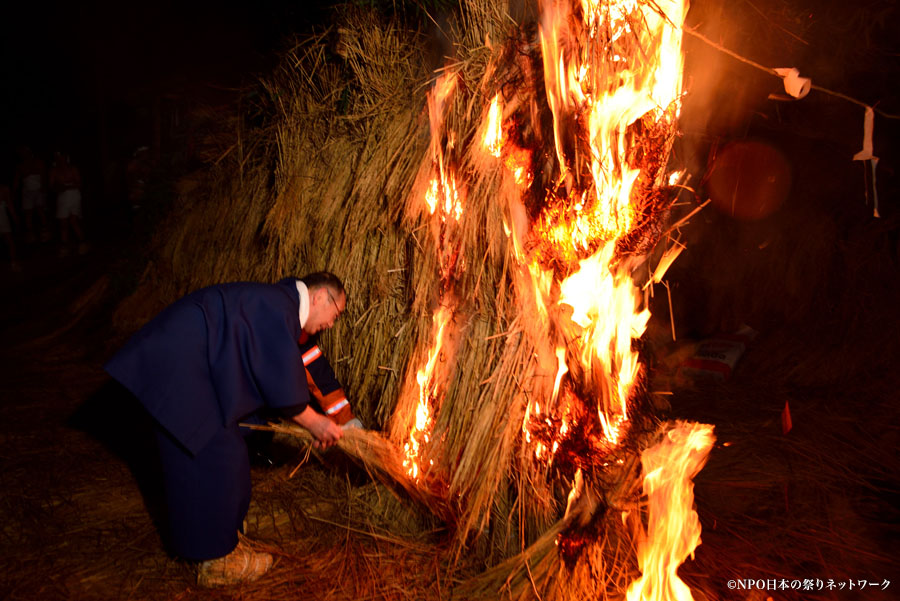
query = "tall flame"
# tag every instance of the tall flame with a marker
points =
(428, 393)
(443, 194)
(607, 73)
(612, 76)
(611, 71)
(443, 197)
(673, 528)
(493, 135)
(607, 66)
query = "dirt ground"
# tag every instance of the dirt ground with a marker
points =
(816, 507)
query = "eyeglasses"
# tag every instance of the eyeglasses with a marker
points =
(333, 302)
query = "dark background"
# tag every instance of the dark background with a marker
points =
(99, 79)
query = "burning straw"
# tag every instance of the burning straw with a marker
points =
(591, 549)
(378, 455)
(543, 189)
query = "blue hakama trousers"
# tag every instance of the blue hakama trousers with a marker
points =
(207, 495)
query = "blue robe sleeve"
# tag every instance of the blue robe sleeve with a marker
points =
(216, 356)
(253, 353)
(164, 365)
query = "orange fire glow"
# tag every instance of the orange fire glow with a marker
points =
(673, 528)
(610, 69)
(608, 73)
(493, 135)
(443, 193)
(428, 393)
(601, 75)
(443, 197)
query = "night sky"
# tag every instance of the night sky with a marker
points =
(67, 67)
(83, 77)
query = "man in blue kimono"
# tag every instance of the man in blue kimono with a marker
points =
(204, 364)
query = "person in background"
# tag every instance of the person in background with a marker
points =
(137, 174)
(65, 181)
(7, 211)
(204, 365)
(30, 183)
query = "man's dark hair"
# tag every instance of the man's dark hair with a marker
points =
(324, 279)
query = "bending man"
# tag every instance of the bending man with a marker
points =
(205, 363)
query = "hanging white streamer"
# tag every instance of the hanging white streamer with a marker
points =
(868, 126)
(866, 153)
(796, 86)
(874, 163)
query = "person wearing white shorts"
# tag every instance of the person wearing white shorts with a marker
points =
(66, 178)
(31, 177)
(68, 204)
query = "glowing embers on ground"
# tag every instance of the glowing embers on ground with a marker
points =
(673, 528)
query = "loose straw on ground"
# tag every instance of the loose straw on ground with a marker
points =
(381, 458)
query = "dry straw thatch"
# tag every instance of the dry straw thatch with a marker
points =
(334, 179)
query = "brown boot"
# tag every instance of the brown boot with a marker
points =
(241, 565)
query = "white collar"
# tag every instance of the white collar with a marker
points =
(304, 302)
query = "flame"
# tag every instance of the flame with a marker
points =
(443, 192)
(437, 97)
(605, 305)
(607, 65)
(673, 528)
(584, 86)
(428, 393)
(496, 142)
(561, 371)
(611, 70)
(443, 197)
(611, 77)
(612, 73)
(493, 135)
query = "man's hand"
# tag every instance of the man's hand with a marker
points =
(325, 431)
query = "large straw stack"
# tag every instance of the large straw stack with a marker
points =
(334, 179)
